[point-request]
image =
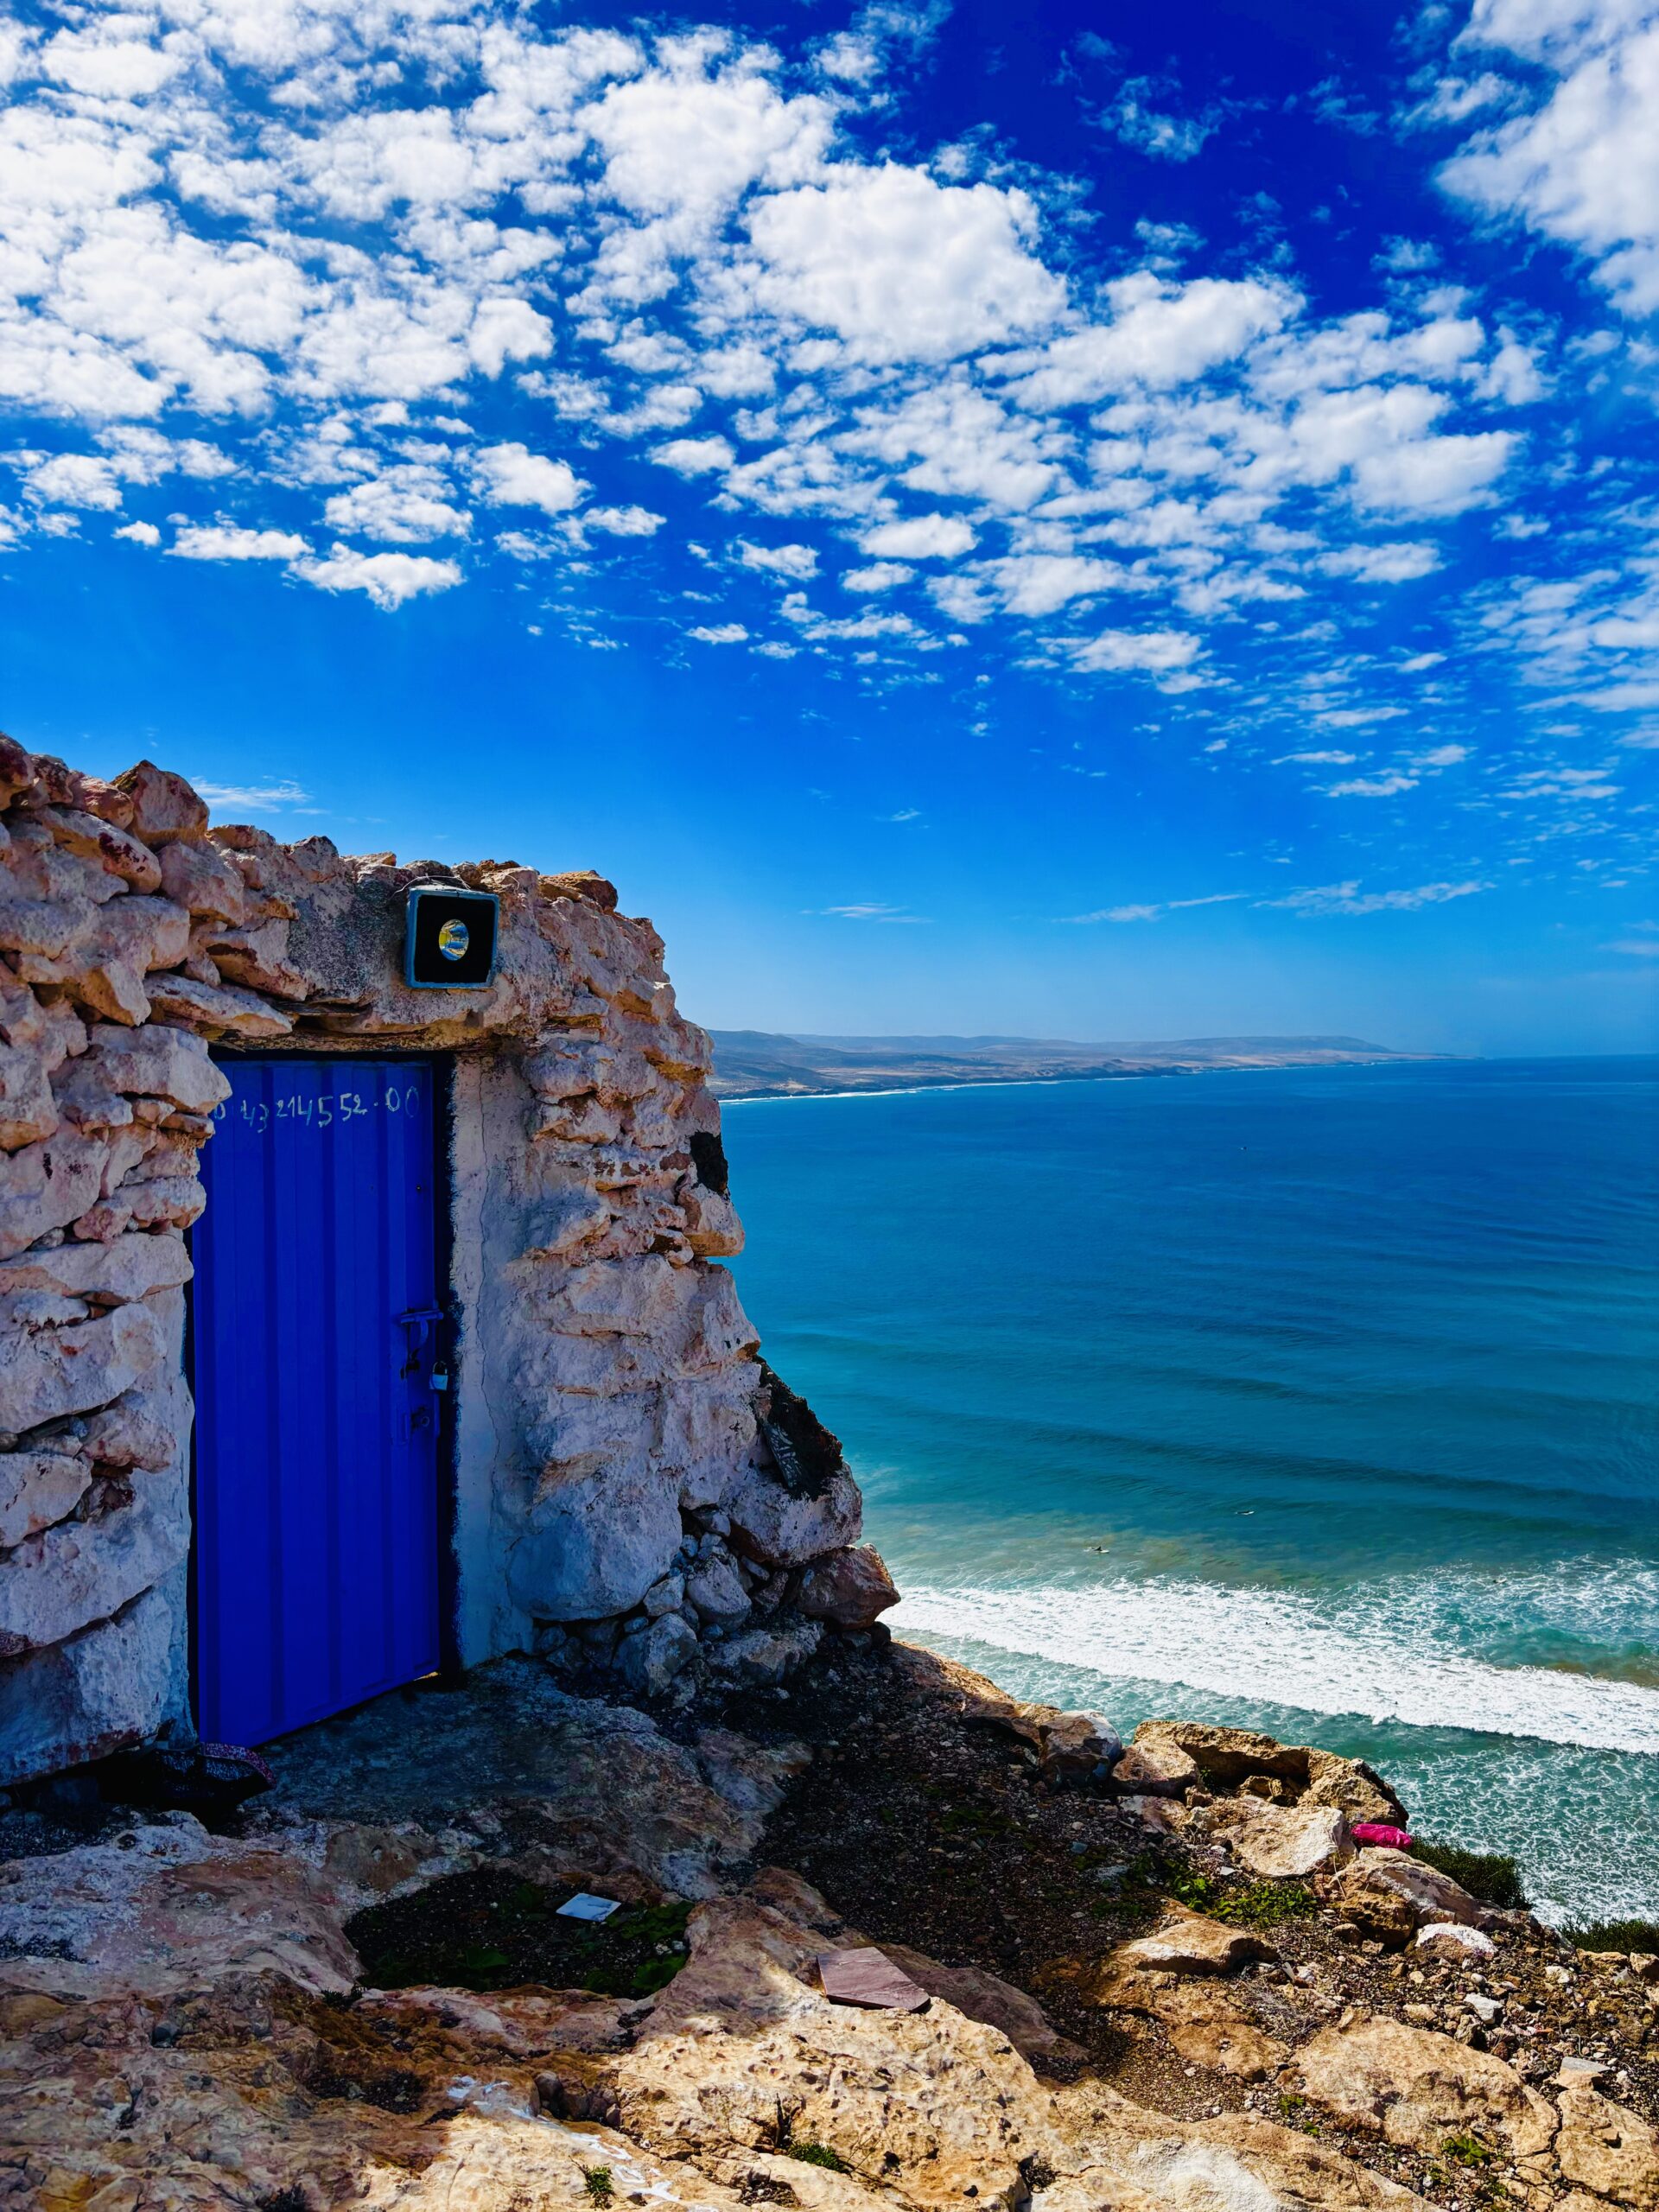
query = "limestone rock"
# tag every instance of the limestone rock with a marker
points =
(218, 1009)
(1452, 1939)
(986, 1998)
(713, 1586)
(106, 843)
(63, 1578)
(1225, 1755)
(1353, 1787)
(596, 1538)
(1279, 1842)
(36, 1489)
(1416, 2086)
(1606, 2147)
(202, 879)
(1191, 1942)
(46, 1373)
(109, 1275)
(764, 1657)
(851, 1589)
(1153, 1767)
(164, 808)
(648, 1662)
(158, 1063)
(1391, 1895)
(45, 1186)
(103, 1690)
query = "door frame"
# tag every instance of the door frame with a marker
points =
(442, 1065)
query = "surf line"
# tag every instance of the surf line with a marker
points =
(1270, 1650)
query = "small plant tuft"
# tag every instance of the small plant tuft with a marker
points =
(1615, 1936)
(1491, 1876)
(596, 2180)
(819, 2154)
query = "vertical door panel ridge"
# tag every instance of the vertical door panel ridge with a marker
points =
(317, 1568)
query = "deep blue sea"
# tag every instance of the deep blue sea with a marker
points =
(1326, 1401)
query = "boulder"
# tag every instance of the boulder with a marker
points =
(1416, 2087)
(713, 1585)
(648, 1661)
(805, 1502)
(157, 1061)
(217, 1008)
(1154, 1767)
(596, 1538)
(1189, 1942)
(101, 1691)
(206, 881)
(850, 1589)
(46, 1373)
(1452, 1939)
(1390, 1895)
(1280, 1842)
(1225, 1755)
(1353, 1787)
(45, 1186)
(1607, 2148)
(164, 807)
(763, 1657)
(986, 1998)
(36, 1489)
(108, 1275)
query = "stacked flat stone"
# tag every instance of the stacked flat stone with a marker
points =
(607, 1364)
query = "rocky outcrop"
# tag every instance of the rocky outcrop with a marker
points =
(184, 2020)
(631, 1422)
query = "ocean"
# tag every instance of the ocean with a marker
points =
(1323, 1400)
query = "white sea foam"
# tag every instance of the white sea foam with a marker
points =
(1382, 1653)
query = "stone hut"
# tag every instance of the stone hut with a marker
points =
(426, 1356)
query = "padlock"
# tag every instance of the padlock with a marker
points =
(439, 1378)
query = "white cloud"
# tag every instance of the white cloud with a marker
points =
(230, 542)
(1322, 760)
(1382, 565)
(388, 579)
(1039, 583)
(141, 533)
(719, 633)
(73, 480)
(512, 476)
(259, 798)
(919, 537)
(1386, 786)
(870, 912)
(1584, 167)
(623, 522)
(880, 576)
(1348, 899)
(900, 268)
(799, 562)
(1160, 336)
(1155, 914)
(404, 505)
(693, 456)
(1155, 652)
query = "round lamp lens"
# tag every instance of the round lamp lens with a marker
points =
(452, 940)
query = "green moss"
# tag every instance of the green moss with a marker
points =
(600, 2189)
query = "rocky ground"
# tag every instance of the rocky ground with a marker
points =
(1163, 1980)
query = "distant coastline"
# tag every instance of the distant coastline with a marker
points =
(753, 1065)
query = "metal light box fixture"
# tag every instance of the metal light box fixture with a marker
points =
(450, 938)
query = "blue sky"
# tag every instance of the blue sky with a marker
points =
(1086, 521)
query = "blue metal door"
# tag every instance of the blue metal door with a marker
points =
(314, 1305)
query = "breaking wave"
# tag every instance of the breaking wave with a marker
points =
(1385, 1652)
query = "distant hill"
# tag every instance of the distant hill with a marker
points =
(760, 1063)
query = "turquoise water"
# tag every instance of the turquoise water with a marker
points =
(1322, 1401)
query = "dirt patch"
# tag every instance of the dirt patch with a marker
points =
(491, 1929)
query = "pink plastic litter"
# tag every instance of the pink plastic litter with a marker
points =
(1378, 1831)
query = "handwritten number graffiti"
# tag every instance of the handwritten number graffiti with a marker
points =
(259, 1118)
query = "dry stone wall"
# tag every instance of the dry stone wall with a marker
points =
(639, 1493)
